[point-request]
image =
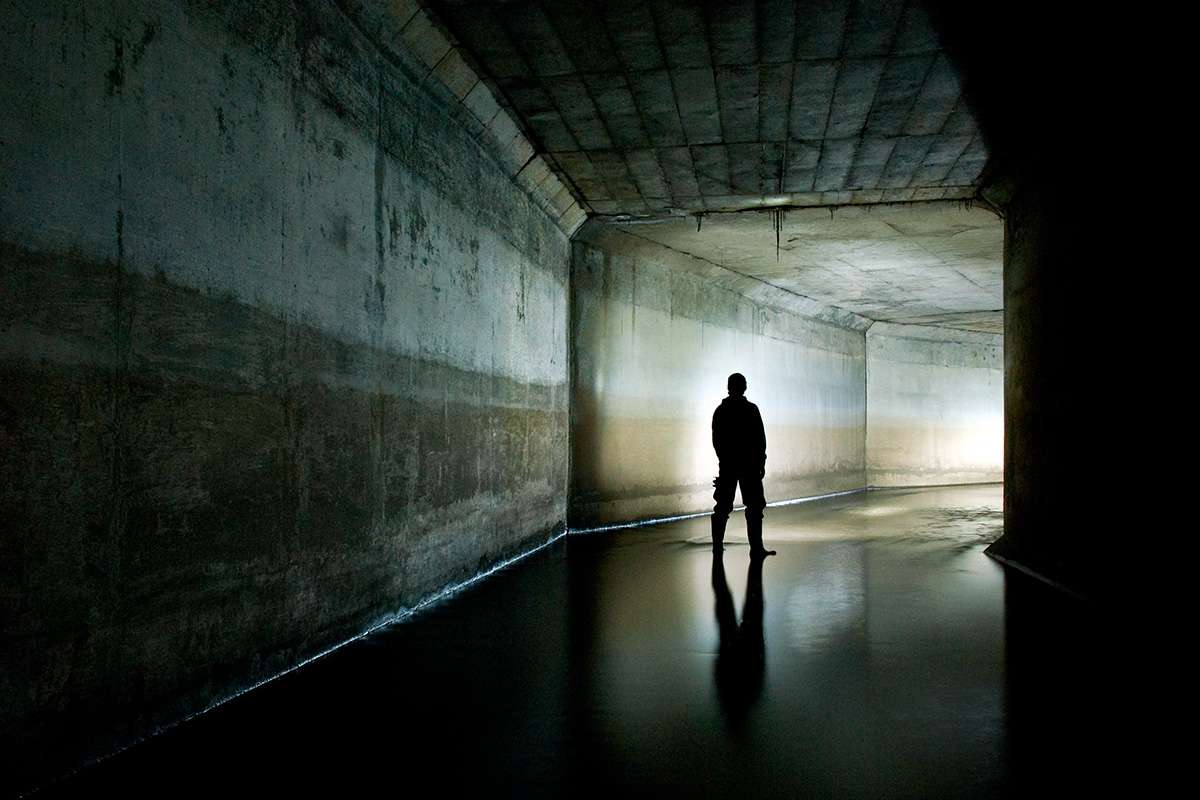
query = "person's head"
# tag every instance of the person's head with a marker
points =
(737, 384)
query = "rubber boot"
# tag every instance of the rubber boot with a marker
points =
(754, 534)
(718, 532)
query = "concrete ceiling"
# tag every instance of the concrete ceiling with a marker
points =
(909, 263)
(683, 120)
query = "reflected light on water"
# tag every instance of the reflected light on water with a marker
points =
(889, 658)
(877, 510)
(827, 599)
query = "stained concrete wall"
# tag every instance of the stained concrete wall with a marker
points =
(655, 334)
(935, 406)
(282, 353)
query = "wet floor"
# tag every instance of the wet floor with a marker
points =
(880, 653)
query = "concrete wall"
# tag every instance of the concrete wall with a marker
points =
(282, 352)
(935, 406)
(655, 334)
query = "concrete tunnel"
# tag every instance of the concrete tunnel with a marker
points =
(313, 310)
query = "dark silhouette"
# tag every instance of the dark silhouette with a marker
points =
(741, 445)
(741, 650)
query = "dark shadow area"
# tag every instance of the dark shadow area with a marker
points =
(1068, 688)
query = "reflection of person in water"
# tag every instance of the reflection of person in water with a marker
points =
(741, 650)
(741, 445)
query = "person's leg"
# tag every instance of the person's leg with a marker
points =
(723, 489)
(755, 501)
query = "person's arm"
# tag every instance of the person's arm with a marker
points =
(716, 432)
(762, 438)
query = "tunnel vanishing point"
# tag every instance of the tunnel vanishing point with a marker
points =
(311, 309)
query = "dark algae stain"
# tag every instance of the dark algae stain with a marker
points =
(149, 31)
(115, 77)
(116, 73)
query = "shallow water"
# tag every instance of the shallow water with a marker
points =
(882, 655)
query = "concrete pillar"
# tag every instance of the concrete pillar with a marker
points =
(1074, 396)
(1045, 444)
(1078, 343)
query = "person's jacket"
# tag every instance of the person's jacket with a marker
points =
(738, 435)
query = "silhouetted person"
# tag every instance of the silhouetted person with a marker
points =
(741, 445)
(741, 650)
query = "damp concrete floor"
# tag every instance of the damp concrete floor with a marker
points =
(878, 654)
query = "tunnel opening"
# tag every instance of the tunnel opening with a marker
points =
(309, 311)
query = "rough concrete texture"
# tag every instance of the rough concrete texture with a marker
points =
(935, 406)
(652, 345)
(282, 353)
(657, 106)
(932, 264)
